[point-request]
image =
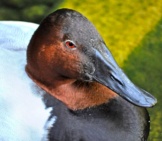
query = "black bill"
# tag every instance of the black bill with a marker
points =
(108, 73)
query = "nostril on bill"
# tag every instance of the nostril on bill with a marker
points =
(117, 80)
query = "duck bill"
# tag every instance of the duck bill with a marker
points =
(110, 75)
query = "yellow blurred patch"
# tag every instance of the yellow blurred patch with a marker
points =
(122, 24)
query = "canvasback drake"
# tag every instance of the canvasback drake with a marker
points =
(69, 88)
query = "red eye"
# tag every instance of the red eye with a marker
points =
(70, 44)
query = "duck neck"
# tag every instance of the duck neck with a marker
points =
(75, 94)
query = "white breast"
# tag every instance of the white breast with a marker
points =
(22, 113)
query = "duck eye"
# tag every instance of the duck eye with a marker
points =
(70, 44)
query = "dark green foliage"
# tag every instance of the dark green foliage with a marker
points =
(26, 10)
(144, 67)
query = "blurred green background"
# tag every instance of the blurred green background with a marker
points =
(131, 29)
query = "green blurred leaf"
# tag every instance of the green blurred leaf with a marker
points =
(144, 67)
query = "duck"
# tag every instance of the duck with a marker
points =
(60, 82)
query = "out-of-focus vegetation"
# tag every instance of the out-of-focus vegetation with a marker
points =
(132, 29)
(144, 66)
(26, 10)
(122, 24)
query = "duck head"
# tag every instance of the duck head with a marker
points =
(69, 59)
